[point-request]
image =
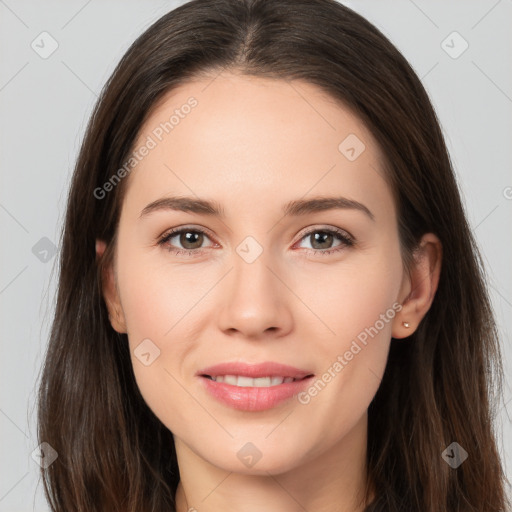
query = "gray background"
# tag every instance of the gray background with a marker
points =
(45, 104)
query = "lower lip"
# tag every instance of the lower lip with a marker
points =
(254, 398)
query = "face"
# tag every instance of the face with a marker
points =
(317, 289)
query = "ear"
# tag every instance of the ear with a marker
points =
(110, 292)
(419, 286)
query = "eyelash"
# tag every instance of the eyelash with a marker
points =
(347, 241)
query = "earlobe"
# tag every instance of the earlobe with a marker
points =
(421, 286)
(109, 291)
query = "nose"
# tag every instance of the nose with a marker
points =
(255, 299)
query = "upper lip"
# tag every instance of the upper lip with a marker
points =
(265, 369)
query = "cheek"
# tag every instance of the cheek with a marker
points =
(351, 300)
(157, 298)
(162, 309)
(367, 303)
(359, 306)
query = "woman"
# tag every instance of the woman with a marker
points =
(201, 357)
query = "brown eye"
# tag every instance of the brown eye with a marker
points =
(191, 239)
(184, 240)
(321, 241)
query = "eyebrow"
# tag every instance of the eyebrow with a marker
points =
(297, 207)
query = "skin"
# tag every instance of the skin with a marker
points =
(253, 144)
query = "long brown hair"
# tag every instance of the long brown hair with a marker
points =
(113, 453)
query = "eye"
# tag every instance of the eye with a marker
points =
(321, 240)
(191, 240)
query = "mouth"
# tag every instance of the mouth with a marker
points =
(254, 387)
(258, 382)
(253, 374)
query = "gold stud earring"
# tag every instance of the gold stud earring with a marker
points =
(405, 324)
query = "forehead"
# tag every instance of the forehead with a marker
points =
(233, 136)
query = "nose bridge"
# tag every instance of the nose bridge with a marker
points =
(251, 274)
(253, 300)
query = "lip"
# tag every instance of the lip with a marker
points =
(265, 369)
(254, 399)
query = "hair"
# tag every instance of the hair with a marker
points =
(113, 453)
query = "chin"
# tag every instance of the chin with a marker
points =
(248, 459)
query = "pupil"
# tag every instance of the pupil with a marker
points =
(188, 238)
(323, 235)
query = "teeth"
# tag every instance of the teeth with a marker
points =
(246, 382)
